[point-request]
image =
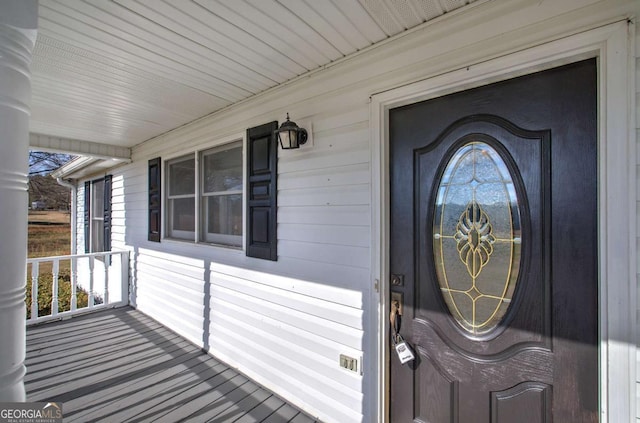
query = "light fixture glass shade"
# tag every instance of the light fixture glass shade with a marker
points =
(287, 138)
(290, 135)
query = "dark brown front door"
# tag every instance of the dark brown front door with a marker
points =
(494, 234)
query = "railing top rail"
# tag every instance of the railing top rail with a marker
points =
(71, 256)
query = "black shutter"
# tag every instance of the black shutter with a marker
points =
(107, 213)
(154, 200)
(262, 178)
(87, 217)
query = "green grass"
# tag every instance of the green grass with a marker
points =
(50, 235)
(45, 291)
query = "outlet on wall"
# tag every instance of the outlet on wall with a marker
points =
(349, 363)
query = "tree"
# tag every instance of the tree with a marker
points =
(43, 163)
(42, 187)
(48, 192)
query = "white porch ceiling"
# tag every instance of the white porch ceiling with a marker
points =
(119, 72)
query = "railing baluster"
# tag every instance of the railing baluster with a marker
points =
(91, 266)
(79, 282)
(34, 290)
(74, 283)
(54, 287)
(107, 259)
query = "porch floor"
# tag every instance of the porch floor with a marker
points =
(119, 365)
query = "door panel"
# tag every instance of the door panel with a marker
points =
(532, 397)
(493, 225)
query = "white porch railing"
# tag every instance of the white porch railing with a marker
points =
(78, 283)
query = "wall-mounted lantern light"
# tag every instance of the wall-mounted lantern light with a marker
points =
(291, 135)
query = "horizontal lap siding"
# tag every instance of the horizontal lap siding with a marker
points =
(285, 323)
(128, 203)
(169, 288)
(80, 219)
(118, 230)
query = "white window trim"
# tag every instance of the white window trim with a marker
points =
(613, 46)
(197, 150)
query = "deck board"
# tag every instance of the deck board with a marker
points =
(120, 365)
(286, 413)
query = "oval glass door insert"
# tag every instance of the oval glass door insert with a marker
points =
(477, 237)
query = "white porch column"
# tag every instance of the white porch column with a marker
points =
(18, 28)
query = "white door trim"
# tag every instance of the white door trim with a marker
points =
(613, 46)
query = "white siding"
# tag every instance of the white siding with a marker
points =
(286, 323)
(79, 219)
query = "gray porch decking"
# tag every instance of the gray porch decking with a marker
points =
(119, 365)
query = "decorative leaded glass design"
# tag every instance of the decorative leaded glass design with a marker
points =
(477, 237)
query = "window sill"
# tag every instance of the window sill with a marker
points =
(204, 245)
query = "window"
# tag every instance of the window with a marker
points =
(97, 215)
(217, 210)
(181, 197)
(221, 200)
(204, 195)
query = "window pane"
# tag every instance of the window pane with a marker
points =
(182, 177)
(97, 216)
(222, 170)
(223, 216)
(97, 235)
(97, 199)
(182, 215)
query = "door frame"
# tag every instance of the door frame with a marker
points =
(612, 45)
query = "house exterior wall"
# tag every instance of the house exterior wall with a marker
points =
(304, 310)
(285, 323)
(79, 199)
(116, 293)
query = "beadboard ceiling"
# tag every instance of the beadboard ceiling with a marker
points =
(119, 72)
